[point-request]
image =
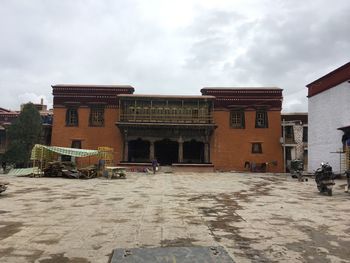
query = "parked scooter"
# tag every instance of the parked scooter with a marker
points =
(324, 178)
(296, 170)
(347, 187)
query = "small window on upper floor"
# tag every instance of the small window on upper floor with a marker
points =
(72, 117)
(261, 120)
(289, 132)
(76, 144)
(256, 147)
(237, 119)
(305, 134)
(96, 115)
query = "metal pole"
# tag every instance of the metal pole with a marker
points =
(284, 146)
(340, 152)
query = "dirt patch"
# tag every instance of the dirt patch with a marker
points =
(136, 206)
(98, 234)
(78, 205)
(29, 255)
(273, 179)
(222, 216)
(31, 190)
(48, 241)
(47, 200)
(115, 198)
(60, 258)
(3, 212)
(179, 242)
(74, 196)
(8, 228)
(261, 188)
(320, 245)
(96, 247)
(119, 221)
(6, 251)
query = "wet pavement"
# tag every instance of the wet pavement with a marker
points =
(254, 217)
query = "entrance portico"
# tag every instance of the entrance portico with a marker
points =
(168, 145)
(169, 128)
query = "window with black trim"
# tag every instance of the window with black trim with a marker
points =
(256, 147)
(237, 119)
(305, 133)
(261, 120)
(96, 115)
(72, 117)
(289, 132)
(76, 144)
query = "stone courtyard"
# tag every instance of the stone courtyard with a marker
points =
(254, 217)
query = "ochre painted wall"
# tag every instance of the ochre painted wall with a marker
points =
(230, 148)
(91, 137)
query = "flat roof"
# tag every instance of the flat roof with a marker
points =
(89, 86)
(242, 88)
(165, 96)
(294, 113)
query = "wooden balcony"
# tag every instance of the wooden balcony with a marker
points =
(166, 109)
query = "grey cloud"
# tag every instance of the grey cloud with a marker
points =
(112, 42)
(287, 48)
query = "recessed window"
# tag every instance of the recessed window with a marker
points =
(72, 117)
(237, 119)
(289, 132)
(261, 120)
(76, 144)
(97, 115)
(305, 134)
(256, 147)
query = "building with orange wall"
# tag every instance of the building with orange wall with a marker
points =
(223, 129)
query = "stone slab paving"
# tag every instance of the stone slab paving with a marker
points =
(254, 217)
(190, 254)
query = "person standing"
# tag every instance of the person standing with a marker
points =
(154, 165)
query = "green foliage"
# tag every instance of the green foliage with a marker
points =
(23, 134)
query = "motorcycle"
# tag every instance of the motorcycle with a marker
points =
(324, 178)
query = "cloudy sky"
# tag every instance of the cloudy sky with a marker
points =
(170, 47)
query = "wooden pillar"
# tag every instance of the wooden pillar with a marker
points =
(151, 150)
(126, 146)
(126, 150)
(206, 152)
(181, 150)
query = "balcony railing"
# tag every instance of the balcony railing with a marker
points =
(167, 118)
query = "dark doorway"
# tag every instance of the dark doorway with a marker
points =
(138, 151)
(166, 151)
(193, 152)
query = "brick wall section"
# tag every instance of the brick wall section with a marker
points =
(91, 137)
(231, 148)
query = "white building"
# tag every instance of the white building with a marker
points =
(329, 110)
(295, 130)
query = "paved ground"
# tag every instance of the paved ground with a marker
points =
(255, 217)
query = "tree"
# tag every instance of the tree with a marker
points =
(23, 134)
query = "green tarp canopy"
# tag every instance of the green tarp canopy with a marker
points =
(40, 152)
